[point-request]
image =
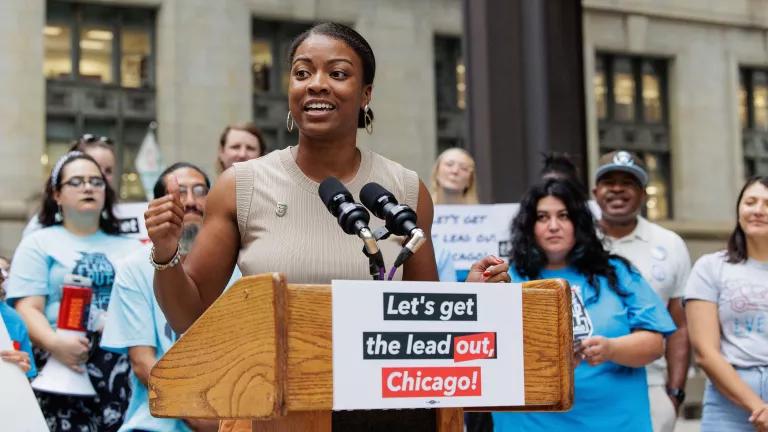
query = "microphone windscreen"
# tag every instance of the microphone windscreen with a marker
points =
(370, 194)
(331, 187)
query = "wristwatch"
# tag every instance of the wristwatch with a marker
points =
(676, 393)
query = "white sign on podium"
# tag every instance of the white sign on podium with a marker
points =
(426, 345)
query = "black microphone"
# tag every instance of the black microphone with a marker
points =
(399, 219)
(353, 218)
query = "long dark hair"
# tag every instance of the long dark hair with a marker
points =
(737, 242)
(355, 41)
(107, 220)
(588, 255)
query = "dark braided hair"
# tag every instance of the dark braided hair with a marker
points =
(355, 41)
(588, 255)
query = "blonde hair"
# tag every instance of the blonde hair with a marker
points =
(469, 195)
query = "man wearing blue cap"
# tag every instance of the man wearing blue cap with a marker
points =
(661, 257)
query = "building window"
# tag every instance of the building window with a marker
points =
(270, 71)
(450, 92)
(753, 115)
(99, 69)
(631, 110)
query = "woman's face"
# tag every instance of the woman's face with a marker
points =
(554, 230)
(326, 90)
(753, 211)
(106, 160)
(239, 146)
(82, 188)
(455, 171)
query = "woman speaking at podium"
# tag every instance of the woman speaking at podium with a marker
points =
(266, 216)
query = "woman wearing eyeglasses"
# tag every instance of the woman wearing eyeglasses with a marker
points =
(102, 150)
(79, 236)
(453, 179)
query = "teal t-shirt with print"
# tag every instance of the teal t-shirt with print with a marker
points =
(46, 256)
(609, 396)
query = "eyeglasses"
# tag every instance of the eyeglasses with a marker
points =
(198, 191)
(80, 181)
(91, 138)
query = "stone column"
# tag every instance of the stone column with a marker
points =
(525, 90)
(404, 88)
(204, 80)
(22, 113)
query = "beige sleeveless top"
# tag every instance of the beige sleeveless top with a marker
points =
(285, 227)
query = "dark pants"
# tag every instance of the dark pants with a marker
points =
(104, 412)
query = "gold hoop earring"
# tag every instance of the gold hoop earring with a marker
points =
(289, 122)
(368, 120)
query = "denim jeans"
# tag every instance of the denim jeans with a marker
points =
(722, 415)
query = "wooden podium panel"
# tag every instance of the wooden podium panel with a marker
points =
(263, 349)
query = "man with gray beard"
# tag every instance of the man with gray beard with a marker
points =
(135, 323)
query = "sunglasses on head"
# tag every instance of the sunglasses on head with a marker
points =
(91, 138)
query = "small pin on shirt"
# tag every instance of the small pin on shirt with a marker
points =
(282, 209)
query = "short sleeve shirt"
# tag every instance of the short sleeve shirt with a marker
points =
(597, 406)
(46, 256)
(135, 319)
(741, 294)
(662, 258)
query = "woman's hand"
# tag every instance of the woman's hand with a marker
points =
(20, 358)
(164, 219)
(759, 418)
(596, 350)
(72, 351)
(489, 269)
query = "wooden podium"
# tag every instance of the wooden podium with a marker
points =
(262, 351)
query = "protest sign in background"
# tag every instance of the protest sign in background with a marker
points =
(471, 232)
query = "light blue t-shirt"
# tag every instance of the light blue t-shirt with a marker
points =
(46, 256)
(607, 397)
(17, 330)
(135, 319)
(446, 272)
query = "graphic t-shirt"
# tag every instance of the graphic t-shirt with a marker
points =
(17, 330)
(741, 294)
(46, 256)
(609, 396)
(135, 319)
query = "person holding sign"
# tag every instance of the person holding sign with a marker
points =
(726, 303)
(265, 214)
(619, 321)
(80, 237)
(453, 179)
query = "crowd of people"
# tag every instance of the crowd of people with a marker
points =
(641, 308)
